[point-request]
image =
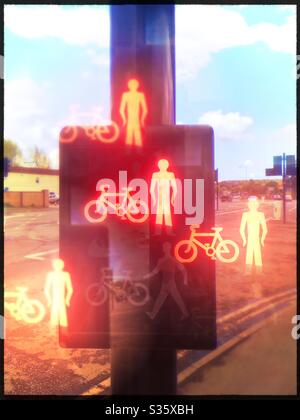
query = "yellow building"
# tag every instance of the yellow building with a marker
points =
(32, 179)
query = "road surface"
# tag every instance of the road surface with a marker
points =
(36, 365)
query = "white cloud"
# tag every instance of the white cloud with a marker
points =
(204, 30)
(230, 126)
(201, 30)
(78, 116)
(30, 119)
(248, 163)
(280, 38)
(80, 25)
(292, 8)
(284, 139)
(25, 112)
(98, 58)
(54, 158)
(22, 98)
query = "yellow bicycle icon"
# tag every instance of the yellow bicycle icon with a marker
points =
(21, 308)
(107, 133)
(104, 133)
(122, 288)
(136, 211)
(186, 251)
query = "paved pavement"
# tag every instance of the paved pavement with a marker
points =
(263, 364)
(34, 362)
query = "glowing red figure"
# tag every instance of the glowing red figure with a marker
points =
(162, 184)
(133, 110)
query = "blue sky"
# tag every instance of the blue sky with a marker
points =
(236, 70)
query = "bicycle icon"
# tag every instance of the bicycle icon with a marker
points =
(22, 308)
(136, 293)
(186, 251)
(136, 211)
(107, 133)
(104, 133)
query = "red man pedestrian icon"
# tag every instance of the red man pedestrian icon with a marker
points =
(133, 111)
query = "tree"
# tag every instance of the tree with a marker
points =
(291, 185)
(252, 187)
(39, 158)
(272, 187)
(12, 152)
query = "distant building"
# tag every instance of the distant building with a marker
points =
(32, 179)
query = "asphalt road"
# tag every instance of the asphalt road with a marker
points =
(263, 364)
(35, 364)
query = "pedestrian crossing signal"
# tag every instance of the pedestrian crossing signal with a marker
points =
(161, 302)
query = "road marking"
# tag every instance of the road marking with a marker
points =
(186, 373)
(29, 214)
(103, 386)
(38, 256)
(15, 215)
(264, 309)
(30, 219)
(25, 223)
(242, 209)
(246, 308)
(230, 212)
(277, 298)
(99, 389)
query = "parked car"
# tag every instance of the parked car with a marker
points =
(53, 198)
(226, 196)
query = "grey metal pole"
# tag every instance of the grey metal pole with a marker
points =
(284, 186)
(143, 47)
(217, 180)
(218, 195)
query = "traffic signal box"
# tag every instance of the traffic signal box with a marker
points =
(112, 261)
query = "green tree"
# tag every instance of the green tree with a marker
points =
(39, 158)
(12, 151)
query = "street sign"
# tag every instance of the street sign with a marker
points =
(6, 166)
(284, 166)
(216, 175)
(217, 188)
(118, 240)
(291, 169)
(277, 167)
